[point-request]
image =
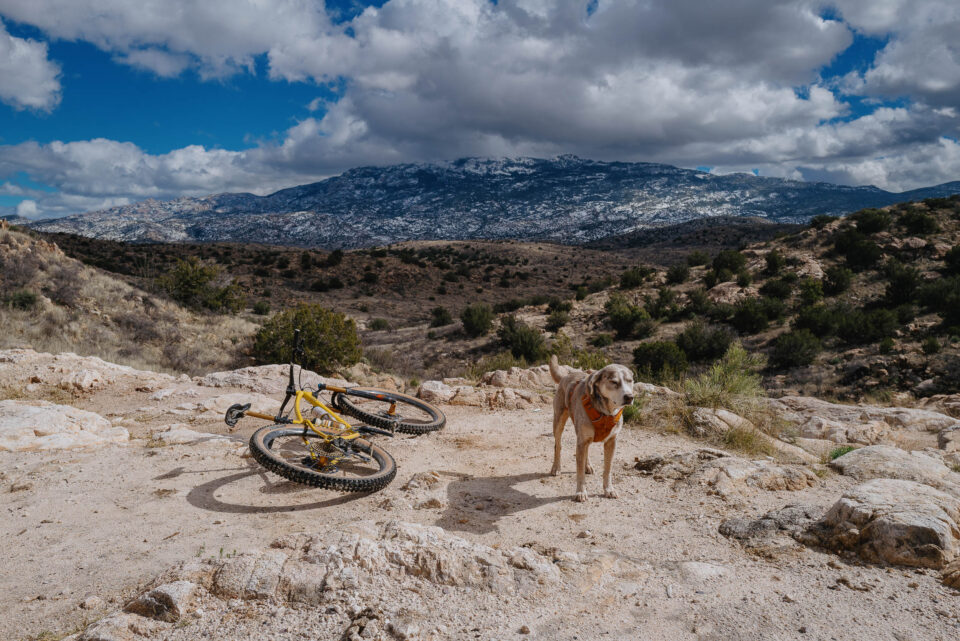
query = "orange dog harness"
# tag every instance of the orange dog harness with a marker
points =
(602, 423)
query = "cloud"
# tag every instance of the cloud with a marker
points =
(736, 85)
(28, 79)
(27, 209)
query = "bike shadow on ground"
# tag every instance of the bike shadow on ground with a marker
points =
(476, 504)
(205, 496)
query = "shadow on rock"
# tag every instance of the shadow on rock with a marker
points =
(476, 504)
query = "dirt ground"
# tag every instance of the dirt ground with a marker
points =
(103, 523)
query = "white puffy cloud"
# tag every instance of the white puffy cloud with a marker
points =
(28, 79)
(27, 208)
(733, 84)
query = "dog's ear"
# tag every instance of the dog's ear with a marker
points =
(591, 383)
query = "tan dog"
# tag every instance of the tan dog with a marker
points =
(595, 402)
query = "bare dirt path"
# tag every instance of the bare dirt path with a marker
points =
(102, 523)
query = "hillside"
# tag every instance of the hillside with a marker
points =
(566, 200)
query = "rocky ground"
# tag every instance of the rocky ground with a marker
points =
(133, 513)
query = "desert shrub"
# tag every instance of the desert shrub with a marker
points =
(871, 221)
(628, 320)
(522, 340)
(838, 280)
(63, 286)
(710, 279)
(698, 257)
(633, 413)
(580, 292)
(659, 360)
(370, 277)
(886, 345)
(664, 305)
(858, 326)
(477, 319)
(744, 278)
(698, 302)
(859, 251)
(261, 307)
(819, 320)
(952, 260)
(330, 339)
(795, 349)
(634, 277)
(811, 291)
(378, 324)
(902, 283)
(822, 220)
(732, 382)
(775, 262)
(919, 223)
(22, 299)
(602, 340)
(201, 286)
(930, 345)
(700, 342)
(557, 319)
(440, 317)
(678, 273)
(334, 258)
(749, 316)
(837, 452)
(730, 260)
(778, 288)
(559, 305)
(581, 358)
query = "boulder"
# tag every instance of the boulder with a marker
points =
(265, 379)
(788, 519)
(949, 439)
(181, 434)
(951, 574)
(435, 392)
(167, 602)
(868, 433)
(884, 461)
(891, 521)
(717, 422)
(801, 409)
(948, 404)
(729, 293)
(41, 425)
(220, 404)
(531, 378)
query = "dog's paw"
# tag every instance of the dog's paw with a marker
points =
(580, 497)
(589, 469)
(555, 470)
(610, 493)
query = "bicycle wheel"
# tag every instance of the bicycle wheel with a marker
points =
(415, 417)
(363, 466)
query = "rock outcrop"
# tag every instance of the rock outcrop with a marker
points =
(801, 410)
(886, 462)
(41, 425)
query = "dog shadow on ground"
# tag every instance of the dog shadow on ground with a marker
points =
(206, 495)
(476, 504)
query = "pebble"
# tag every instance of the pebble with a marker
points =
(524, 629)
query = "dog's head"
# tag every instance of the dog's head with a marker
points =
(611, 388)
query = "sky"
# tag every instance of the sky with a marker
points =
(108, 102)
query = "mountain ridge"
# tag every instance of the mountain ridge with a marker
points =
(565, 199)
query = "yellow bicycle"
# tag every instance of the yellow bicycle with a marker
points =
(323, 449)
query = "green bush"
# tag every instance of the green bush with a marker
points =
(698, 257)
(698, 303)
(837, 452)
(858, 326)
(919, 223)
(859, 251)
(795, 349)
(778, 288)
(886, 345)
(330, 339)
(930, 345)
(871, 221)
(744, 278)
(750, 316)
(559, 305)
(379, 324)
(664, 305)
(819, 320)
(952, 260)
(733, 382)
(601, 340)
(775, 262)
(902, 283)
(201, 286)
(22, 299)
(678, 273)
(477, 319)
(334, 258)
(628, 320)
(701, 342)
(557, 319)
(659, 360)
(440, 317)
(261, 307)
(522, 340)
(634, 277)
(730, 260)
(370, 277)
(838, 280)
(811, 291)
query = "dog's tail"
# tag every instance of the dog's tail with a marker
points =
(557, 371)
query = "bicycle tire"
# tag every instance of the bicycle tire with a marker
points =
(265, 448)
(346, 404)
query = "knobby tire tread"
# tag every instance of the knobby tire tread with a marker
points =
(342, 403)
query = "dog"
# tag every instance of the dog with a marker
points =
(595, 401)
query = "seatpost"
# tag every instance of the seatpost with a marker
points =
(291, 386)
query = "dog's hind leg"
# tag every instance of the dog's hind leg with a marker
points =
(609, 447)
(559, 421)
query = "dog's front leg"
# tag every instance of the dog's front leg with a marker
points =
(582, 450)
(608, 450)
(559, 421)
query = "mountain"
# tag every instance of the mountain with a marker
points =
(564, 199)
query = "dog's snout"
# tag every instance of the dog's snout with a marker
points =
(628, 398)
